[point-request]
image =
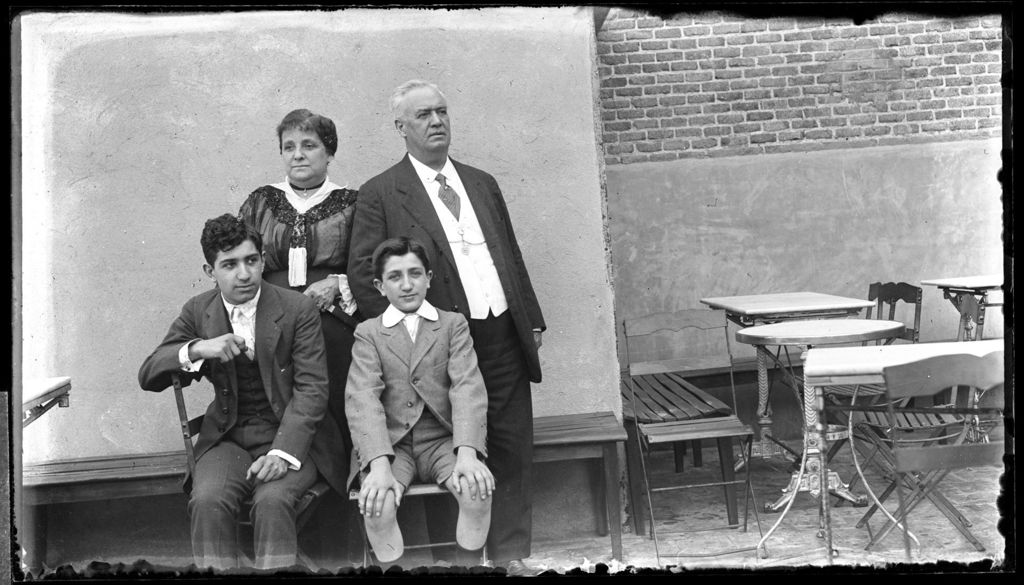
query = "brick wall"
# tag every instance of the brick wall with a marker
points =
(697, 85)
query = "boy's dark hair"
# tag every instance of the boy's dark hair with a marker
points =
(399, 246)
(307, 121)
(223, 233)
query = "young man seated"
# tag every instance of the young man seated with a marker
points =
(416, 405)
(265, 433)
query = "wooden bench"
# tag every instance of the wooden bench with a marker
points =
(587, 436)
(90, 479)
(556, 438)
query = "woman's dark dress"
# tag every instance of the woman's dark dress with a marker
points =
(325, 231)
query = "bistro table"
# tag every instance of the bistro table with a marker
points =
(748, 310)
(41, 394)
(813, 476)
(808, 334)
(970, 295)
(829, 366)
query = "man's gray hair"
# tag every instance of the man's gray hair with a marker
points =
(401, 90)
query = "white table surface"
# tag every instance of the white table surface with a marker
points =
(820, 331)
(791, 302)
(863, 365)
(982, 282)
(39, 389)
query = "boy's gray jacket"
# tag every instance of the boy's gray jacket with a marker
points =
(391, 380)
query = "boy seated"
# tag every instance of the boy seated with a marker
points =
(416, 405)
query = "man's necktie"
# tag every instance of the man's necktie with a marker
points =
(448, 196)
(244, 329)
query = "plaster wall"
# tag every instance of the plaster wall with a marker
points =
(139, 128)
(830, 221)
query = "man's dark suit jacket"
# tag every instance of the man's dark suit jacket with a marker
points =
(395, 203)
(290, 354)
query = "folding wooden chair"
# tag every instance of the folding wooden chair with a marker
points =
(305, 507)
(919, 460)
(887, 297)
(667, 408)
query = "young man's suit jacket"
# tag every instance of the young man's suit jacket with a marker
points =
(290, 353)
(392, 379)
(395, 203)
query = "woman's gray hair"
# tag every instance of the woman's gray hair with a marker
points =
(401, 90)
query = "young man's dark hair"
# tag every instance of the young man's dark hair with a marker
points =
(223, 233)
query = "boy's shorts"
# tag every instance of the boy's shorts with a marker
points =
(425, 453)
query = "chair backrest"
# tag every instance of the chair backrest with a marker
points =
(887, 295)
(189, 428)
(983, 375)
(690, 333)
(691, 336)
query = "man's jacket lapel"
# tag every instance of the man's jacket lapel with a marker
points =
(417, 203)
(268, 314)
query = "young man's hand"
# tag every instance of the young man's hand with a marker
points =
(376, 485)
(479, 479)
(267, 468)
(225, 348)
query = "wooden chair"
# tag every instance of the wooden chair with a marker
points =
(887, 296)
(305, 507)
(667, 408)
(921, 445)
(414, 490)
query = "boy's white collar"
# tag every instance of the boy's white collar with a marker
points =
(393, 316)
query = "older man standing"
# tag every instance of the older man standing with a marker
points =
(478, 271)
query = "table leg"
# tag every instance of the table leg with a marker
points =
(611, 498)
(981, 319)
(34, 529)
(635, 474)
(599, 480)
(812, 479)
(767, 448)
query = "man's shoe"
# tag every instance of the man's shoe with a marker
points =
(517, 568)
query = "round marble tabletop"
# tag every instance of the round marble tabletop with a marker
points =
(819, 332)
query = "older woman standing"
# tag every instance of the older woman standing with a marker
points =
(305, 221)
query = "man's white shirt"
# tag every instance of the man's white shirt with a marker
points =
(476, 267)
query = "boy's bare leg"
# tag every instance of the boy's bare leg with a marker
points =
(474, 515)
(383, 533)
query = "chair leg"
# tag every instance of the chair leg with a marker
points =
(725, 459)
(698, 455)
(679, 454)
(635, 474)
(926, 488)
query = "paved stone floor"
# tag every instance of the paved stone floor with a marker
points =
(795, 541)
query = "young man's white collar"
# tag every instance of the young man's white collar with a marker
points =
(248, 307)
(393, 316)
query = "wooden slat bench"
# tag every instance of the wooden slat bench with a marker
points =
(556, 438)
(90, 479)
